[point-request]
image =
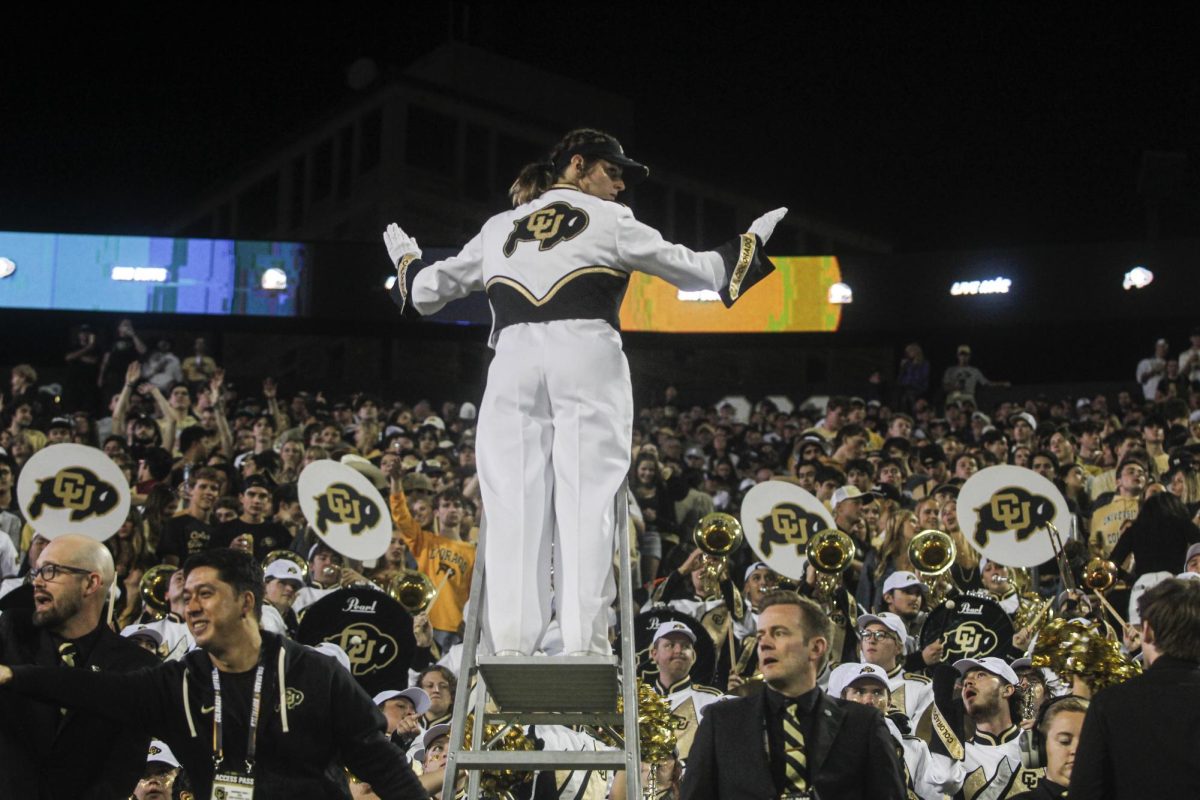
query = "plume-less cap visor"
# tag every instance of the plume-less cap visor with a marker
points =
(611, 151)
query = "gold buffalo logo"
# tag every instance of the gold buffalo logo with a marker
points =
(557, 222)
(341, 504)
(76, 489)
(788, 525)
(969, 640)
(368, 647)
(1012, 509)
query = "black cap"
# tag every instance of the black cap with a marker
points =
(611, 151)
(60, 422)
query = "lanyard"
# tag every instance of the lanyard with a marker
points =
(218, 732)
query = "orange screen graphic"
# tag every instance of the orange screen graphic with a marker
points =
(792, 299)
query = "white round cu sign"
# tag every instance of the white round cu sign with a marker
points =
(345, 510)
(779, 519)
(72, 488)
(1006, 512)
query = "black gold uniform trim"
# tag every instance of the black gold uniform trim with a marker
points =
(745, 265)
(407, 268)
(592, 292)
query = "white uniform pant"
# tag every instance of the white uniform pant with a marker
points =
(553, 446)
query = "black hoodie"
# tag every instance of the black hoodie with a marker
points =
(327, 720)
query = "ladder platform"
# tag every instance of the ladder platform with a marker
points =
(582, 684)
(541, 759)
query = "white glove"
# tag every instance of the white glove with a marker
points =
(399, 243)
(764, 226)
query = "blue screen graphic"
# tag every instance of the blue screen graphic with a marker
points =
(187, 276)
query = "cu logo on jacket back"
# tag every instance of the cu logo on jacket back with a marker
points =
(557, 222)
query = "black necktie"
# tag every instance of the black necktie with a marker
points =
(795, 761)
(67, 655)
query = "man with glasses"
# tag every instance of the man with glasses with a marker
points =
(882, 639)
(37, 739)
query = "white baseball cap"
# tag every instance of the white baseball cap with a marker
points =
(889, 620)
(160, 753)
(845, 674)
(143, 630)
(282, 569)
(991, 664)
(467, 411)
(672, 626)
(1192, 552)
(333, 651)
(756, 565)
(415, 695)
(848, 492)
(1024, 662)
(902, 579)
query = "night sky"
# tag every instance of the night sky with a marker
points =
(971, 126)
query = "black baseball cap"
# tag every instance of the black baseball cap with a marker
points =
(611, 151)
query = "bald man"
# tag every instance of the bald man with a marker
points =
(46, 752)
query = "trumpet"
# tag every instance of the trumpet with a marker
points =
(288, 555)
(829, 552)
(932, 553)
(153, 589)
(718, 535)
(411, 589)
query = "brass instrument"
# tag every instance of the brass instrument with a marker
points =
(718, 535)
(932, 553)
(411, 589)
(1099, 575)
(288, 555)
(153, 589)
(829, 553)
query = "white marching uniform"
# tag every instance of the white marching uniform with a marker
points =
(912, 692)
(555, 423)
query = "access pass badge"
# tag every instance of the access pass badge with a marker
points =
(232, 786)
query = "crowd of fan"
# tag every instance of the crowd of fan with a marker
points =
(211, 467)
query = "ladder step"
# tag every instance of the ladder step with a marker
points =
(541, 759)
(552, 683)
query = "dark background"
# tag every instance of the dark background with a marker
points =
(965, 132)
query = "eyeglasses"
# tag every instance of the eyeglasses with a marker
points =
(49, 572)
(875, 636)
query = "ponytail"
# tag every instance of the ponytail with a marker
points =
(534, 179)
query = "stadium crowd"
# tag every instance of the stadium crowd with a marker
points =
(211, 468)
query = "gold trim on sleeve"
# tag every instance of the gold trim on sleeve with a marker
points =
(749, 244)
(946, 734)
(402, 274)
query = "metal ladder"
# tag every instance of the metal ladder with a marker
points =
(558, 690)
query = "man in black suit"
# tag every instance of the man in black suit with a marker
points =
(1139, 737)
(48, 752)
(792, 740)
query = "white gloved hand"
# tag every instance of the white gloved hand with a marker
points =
(764, 226)
(399, 243)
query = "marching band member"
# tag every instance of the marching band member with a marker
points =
(869, 685)
(555, 425)
(673, 652)
(882, 639)
(987, 765)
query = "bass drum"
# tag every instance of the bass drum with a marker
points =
(970, 627)
(374, 630)
(647, 622)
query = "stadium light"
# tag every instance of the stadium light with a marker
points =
(840, 294)
(274, 279)
(7, 267)
(1138, 278)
